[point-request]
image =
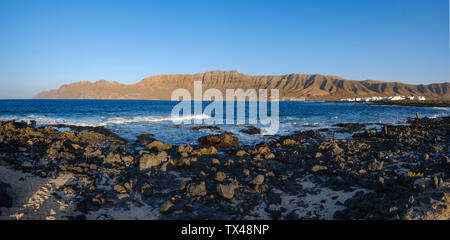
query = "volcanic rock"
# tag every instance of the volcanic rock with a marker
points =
(166, 207)
(258, 180)
(5, 198)
(226, 191)
(225, 140)
(318, 168)
(150, 160)
(220, 176)
(375, 165)
(159, 146)
(251, 130)
(196, 189)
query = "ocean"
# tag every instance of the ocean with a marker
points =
(130, 118)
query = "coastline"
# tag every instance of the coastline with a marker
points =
(412, 103)
(416, 103)
(397, 172)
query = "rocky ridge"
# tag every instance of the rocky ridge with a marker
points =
(291, 87)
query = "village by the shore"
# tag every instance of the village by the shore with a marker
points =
(384, 99)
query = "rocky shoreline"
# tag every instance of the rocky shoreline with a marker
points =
(416, 103)
(70, 172)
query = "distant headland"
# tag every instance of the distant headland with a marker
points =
(309, 87)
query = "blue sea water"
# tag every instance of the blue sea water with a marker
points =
(129, 118)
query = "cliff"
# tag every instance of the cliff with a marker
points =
(312, 87)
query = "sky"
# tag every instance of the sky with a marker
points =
(44, 44)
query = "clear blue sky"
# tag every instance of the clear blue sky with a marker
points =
(44, 44)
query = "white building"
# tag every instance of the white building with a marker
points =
(391, 98)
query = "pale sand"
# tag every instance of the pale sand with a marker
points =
(306, 206)
(33, 196)
(436, 210)
(34, 199)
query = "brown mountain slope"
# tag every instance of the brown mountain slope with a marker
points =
(312, 87)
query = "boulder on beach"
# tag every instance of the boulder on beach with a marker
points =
(251, 130)
(375, 165)
(184, 161)
(205, 151)
(226, 190)
(166, 207)
(241, 153)
(318, 168)
(5, 198)
(150, 160)
(159, 146)
(215, 128)
(225, 140)
(220, 176)
(196, 189)
(145, 139)
(258, 180)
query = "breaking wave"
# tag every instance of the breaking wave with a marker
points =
(122, 120)
(95, 122)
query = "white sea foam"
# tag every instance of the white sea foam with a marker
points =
(442, 108)
(43, 120)
(123, 120)
(94, 122)
(435, 116)
(314, 124)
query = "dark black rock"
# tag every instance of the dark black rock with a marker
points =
(251, 130)
(5, 198)
(273, 198)
(225, 140)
